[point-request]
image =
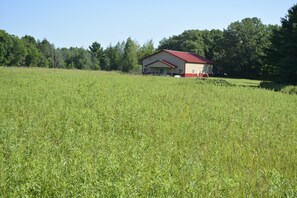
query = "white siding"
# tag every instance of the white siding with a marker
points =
(194, 68)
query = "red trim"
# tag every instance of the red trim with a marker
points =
(185, 56)
(151, 55)
(189, 75)
(195, 75)
(189, 57)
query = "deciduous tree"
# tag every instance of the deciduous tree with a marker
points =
(130, 61)
(242, 47)
(146, 49)
(47, 51)
(33, 55)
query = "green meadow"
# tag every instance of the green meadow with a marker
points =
(71, 133)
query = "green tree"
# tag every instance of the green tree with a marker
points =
(146, 49)
(210, 40)
(67, 57)
(172, 43)
(33, 56)
(130, 61)
(202, 42)
(78, 58)
(47, 51)
(98, 56)
(114, 56)
(12, 50)
(18, 51)
(189, 40)
(282, 55)
(242, 47)
(6, 48)
(84, 59)
(59, 61)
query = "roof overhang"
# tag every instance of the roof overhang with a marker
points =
(183, 56)
(161, 64)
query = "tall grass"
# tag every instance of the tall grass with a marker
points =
(95, 134)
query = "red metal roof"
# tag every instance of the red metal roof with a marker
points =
(189, 57)
(164, 62)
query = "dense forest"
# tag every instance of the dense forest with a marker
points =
(246, 48)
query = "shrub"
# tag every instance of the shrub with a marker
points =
(289, 90)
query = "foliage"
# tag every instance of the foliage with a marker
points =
(146, 50)
(77, 58)
(114, 56)
(211, 41)
(238, 50)
(130, 61)
(98, 56)
(33, 55)
(12, 50)
(282, 56)
(5, 43)
(288, 89)
(59, 61)
(27, 51)
(243, 47)
(47, 50)
(69, 133)
(195, 41)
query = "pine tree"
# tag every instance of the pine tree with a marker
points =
(283, 54)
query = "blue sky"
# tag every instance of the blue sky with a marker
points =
(79, 23)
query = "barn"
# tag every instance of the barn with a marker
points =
(169, 62)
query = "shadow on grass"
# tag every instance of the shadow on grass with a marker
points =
(271, 86)
(286, 89)
(268, 85)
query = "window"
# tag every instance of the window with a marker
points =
(193, 71)
(180, 71)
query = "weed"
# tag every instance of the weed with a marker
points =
(69, 133)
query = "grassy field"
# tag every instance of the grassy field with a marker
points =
(244, 82)
(68, 133)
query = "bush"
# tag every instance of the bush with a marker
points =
(289, 90)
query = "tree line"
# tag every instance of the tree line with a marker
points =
(246, 48)
(27, 51)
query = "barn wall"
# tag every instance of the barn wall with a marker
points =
(167, 57)
(155, 68)
(158, 64)
(194, 68)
